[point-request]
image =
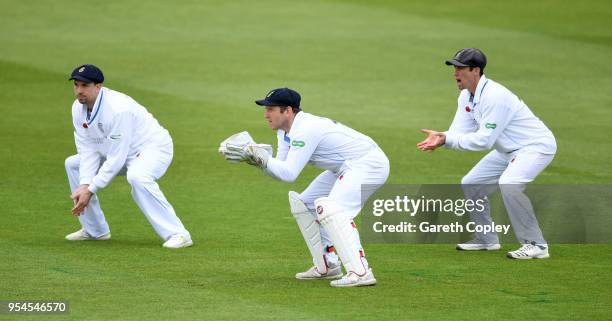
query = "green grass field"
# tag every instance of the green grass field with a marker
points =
(377, 66)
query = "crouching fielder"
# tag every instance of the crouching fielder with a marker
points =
(115, 134)
(325, 210)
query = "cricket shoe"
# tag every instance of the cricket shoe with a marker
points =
(82, 235)
(529, 251)
(477, 245)
(352, 279)
(178, 241)
(333, 272)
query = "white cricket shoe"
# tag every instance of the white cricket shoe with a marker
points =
(477, 245)
(352, 279)
(333, 272)
(82, 235)
(178, 241)
(529, 251)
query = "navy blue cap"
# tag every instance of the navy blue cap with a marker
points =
(281, 97)
(87, 73)
(468, 57)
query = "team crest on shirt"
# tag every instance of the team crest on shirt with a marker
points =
(101, 127)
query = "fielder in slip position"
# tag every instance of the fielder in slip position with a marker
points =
(325, 210)
(113, 134)
(490, 116)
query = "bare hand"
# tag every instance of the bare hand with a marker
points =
(80, 197)
(433, 140)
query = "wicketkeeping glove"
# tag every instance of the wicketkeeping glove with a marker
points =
(258, 154)
(253, 154)
(231, 148)
(233, 153)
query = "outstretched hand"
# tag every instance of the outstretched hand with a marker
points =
(433, 140)
(80, 197)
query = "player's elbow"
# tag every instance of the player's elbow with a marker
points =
(289, 176)
(484, 143)
(282, 171)
(283, 176)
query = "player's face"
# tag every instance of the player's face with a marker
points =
(86, 93)
(466, 78)
(276, 119)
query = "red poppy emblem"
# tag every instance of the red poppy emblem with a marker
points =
(320, 209)
(85, 125)
(468, 109)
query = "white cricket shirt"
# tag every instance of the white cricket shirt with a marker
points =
(117, 129)
(495, 117)
(318, 141)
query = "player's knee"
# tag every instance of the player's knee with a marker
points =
(136, 179)
(72, 162)
(509, 180)
(326, 207)
(509, 185)
(504, 181)
(308, 202)
(468, 180)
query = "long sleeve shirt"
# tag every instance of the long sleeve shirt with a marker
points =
(496, 118)
(318, 141)
(116, 130)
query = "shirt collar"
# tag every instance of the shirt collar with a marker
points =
(96, 107)
(482, 83)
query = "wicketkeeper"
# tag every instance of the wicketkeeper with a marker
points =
(355, 167)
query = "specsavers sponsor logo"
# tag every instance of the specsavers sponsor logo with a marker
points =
(490, 125)
(115, 136)
(298, 143)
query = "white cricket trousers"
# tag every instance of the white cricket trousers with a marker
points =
(512, 172)
(142, 174)
(355, 183)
